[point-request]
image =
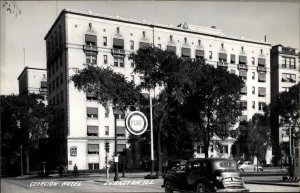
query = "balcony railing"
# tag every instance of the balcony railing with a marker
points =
(115, 51)
(223, 64)
(90, 48)
(243, 66)
(261, 69)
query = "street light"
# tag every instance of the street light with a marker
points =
(151, 130)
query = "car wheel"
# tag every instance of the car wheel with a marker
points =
(201, 188)
(168, 187)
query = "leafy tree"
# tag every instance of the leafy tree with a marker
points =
(258, 137)
(163, 69)
(109, 87)
(26, 123)
(212, 101)
(288, 110)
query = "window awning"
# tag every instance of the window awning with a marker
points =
(232, 58)
(261, 91)
(186, 52)
(93, 147)
(144, 45)
(171, 48)
(261, 61)
(43, 84)
(243, 73)
(121, 130)
(92, 110)
(92, 129)
(90, 38)
(262, 76)
(223, 56)
(244, 89)
(118, 42)
(121, 147)
(200, 53)
(243, 59)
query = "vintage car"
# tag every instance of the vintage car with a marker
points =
(249, 166)
(205, 175)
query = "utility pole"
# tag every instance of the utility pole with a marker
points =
(151, 130)
(116, 159)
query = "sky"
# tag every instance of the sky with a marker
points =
(279, 21)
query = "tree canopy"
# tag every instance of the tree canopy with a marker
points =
(212, 101)
(206, 96)
(288, 109)
(26, 123)
(109, 87)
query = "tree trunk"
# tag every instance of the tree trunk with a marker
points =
(27, 161)
(159, 163)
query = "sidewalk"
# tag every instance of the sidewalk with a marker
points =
(88, 176)
(274, 182)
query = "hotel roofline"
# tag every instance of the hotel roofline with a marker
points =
(144, 23)
(29, 68)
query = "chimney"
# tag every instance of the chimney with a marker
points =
(213, 27)
(265, 38)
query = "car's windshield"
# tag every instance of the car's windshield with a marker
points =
(227, 165)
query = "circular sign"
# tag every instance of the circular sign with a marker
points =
(136, 123)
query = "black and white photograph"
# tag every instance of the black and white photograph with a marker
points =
(150, 96)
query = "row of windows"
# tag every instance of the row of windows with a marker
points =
(94, 148)
(261, 105)
(261, 76)
(92, 41)
(54, 42)
(94, 131)
(56, 83)
(287, 62)
(92, 113)
(261, 91)
(288, 77)
(55, 67)
(118, 45)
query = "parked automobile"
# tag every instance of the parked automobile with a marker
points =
(205, 175)
(169, 165)
(249, 166)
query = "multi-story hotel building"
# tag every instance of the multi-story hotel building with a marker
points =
(285, 73)
(33, 80)
(83, 126)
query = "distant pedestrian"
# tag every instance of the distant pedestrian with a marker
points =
(60, 169)
(75, 170)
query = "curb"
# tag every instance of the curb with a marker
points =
(274, 183)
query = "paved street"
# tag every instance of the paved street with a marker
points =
(98, 184)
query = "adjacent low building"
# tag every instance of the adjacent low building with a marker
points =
(285, 73)
(76, 38)
(33, 80)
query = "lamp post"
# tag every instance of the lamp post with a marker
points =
(151, 130)
(116, 159)
(291, 172)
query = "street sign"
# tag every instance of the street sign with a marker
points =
(136, 123)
